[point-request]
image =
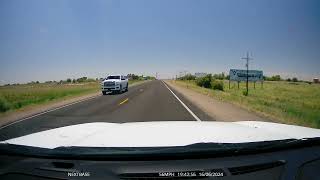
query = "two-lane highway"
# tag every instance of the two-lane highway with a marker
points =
(149, 101)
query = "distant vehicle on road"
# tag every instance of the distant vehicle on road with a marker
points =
(114, 84)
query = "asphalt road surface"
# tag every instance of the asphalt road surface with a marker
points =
(149, 101)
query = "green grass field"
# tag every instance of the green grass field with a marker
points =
(292, 103)
(18, 96)
(15, 97)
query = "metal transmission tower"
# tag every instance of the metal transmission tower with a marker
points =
(247, 65)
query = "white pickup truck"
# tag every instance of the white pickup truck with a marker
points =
(114, 83)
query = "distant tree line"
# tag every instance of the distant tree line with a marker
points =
(67, 81)
(215, 81)
(133, 76)
(139, 77)
(84, 80)
(278, 78)
(220, 76)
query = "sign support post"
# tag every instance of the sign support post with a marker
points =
(247, 65)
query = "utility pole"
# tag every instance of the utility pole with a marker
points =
(247, 65)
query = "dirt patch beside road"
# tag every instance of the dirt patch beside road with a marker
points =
(218, 110)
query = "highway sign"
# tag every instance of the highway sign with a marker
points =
(241, 75)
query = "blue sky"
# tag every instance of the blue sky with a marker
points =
(57, 39)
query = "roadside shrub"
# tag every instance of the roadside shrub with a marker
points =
(133, 76)
(204, 81)
(276, 78)
(219, 76)
(272, 78)
(82, 79)
(188, 77)
(4, 105)
(217, 85)
(245, 93)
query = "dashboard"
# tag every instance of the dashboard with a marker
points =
(293, 164)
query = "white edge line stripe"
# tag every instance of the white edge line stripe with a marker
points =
(47, 111)
(185, 106)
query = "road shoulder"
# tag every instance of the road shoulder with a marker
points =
(218, 110)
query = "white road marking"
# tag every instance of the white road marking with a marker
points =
(185, 106)
(47, 111)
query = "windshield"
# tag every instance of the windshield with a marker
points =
(157, 74)
(113, 77)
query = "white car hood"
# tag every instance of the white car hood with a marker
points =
(164, 133)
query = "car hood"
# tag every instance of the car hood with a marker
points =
(164, 133)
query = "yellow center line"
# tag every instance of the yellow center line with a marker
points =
(124, 101)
